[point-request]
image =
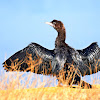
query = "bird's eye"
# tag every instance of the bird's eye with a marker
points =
(54, 23)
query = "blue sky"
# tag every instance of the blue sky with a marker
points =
(23, 22)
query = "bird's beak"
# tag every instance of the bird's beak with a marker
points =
(49, 24)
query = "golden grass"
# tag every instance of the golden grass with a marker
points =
(51, 93)
(13, 89)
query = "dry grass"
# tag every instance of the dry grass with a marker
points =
(23, 86)
(50, 93)
(15, 86)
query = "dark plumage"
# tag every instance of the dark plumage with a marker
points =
(61, 58)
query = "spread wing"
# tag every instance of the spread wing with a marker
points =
(33, 58)
(90, 57)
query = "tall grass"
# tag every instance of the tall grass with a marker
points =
(22, 80)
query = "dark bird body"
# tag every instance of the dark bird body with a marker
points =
(61, 58)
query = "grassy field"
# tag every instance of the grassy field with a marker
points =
(13, 86)
(51, 93)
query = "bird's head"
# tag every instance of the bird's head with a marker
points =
(57, 25)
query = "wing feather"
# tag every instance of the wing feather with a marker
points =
(91, 59)
(33, 58)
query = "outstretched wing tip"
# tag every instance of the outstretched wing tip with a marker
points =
(33, 49)
(92, 56)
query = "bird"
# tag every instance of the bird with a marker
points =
(64, 62)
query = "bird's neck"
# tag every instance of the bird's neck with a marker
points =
(60, 40)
